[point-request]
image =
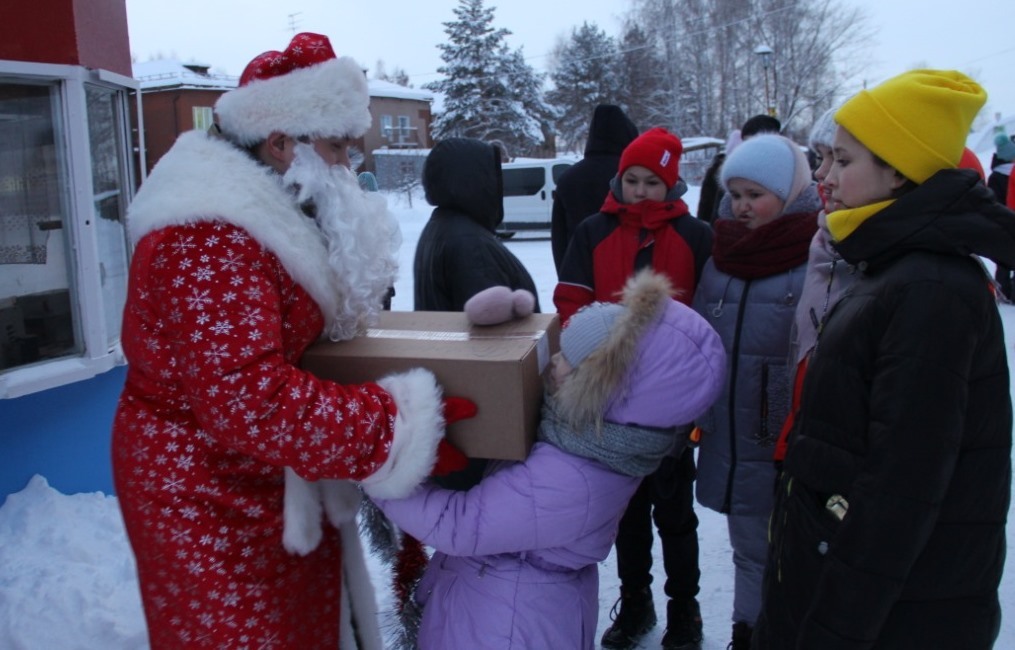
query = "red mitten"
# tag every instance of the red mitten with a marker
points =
(458, 408)
(449, 459)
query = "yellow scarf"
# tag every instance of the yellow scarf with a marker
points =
(842, 223)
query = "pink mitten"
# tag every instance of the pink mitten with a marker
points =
(498, 305)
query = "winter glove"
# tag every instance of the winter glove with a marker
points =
(499, 304)
(458, 408)
(450, 458)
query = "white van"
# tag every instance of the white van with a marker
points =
(528, 191)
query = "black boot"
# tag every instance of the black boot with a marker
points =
(683, 625)
(741, 637)
(636, 616)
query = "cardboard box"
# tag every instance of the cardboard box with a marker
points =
(498, 367)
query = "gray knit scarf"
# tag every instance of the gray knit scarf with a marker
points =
(626, 449)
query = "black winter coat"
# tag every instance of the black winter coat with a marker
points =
(906, 414)
(458, 255)
(583, 187)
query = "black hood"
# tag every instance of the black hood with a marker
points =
(610, 131)
(463, 175)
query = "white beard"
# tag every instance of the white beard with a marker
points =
(363, 238)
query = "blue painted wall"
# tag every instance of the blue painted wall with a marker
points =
(62, 434)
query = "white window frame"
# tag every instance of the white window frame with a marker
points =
(203, 116)
(97, 355)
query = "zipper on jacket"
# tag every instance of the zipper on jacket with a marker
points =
(731, 401)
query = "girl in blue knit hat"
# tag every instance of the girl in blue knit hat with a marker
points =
(888, 531)
(516, 556)
(748, 292)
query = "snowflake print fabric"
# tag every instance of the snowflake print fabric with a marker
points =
(213, 408)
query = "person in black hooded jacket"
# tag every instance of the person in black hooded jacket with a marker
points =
(458, 253)
(889, 526)
(582, 189)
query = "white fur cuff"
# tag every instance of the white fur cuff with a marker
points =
(419, 426)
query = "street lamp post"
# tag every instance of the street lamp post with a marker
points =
(765, 53)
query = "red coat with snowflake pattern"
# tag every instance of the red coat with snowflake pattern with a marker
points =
(215, 406)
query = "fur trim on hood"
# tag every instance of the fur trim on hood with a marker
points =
(661, 365)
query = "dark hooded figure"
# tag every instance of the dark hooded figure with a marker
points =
(582, 189)
(458, 254)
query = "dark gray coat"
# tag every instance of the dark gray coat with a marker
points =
(753, 318)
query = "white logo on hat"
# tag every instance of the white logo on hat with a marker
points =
(665, 160)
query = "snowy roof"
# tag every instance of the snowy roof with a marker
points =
(380, 88)
(167, 73)
(700, 142)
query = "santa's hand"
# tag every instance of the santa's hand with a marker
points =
(458, 408)
(449, 459)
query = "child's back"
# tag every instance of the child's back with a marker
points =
(517, 553)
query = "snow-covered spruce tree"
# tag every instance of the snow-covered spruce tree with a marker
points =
(529, 118)
(583, 76)
(487, 88)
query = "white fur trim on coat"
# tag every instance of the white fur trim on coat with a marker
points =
(203, 178)
(419, 426)
(304, 504)
(302, 533)
(330, 99)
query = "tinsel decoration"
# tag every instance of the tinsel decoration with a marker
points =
(405, 556)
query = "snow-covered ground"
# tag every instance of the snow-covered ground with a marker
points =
(67, 574)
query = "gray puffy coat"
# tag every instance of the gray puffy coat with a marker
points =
(736, 473)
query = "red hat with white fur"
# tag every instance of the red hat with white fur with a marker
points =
(304, 91)
(657, 150)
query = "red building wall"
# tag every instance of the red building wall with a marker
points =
(169, 113)
(89, 33)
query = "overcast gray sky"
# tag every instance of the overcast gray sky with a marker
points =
(975, 36)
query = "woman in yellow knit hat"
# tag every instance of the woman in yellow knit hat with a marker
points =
(889, 526)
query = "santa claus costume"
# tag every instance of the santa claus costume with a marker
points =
(230, 282)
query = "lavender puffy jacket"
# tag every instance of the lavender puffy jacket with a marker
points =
(515, 562)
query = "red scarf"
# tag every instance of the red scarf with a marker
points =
(642, 225)
(773, 248)
(647, 214)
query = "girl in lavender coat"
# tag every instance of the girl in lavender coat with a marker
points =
(515, 559)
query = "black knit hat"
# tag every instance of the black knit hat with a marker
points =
(760, 124)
